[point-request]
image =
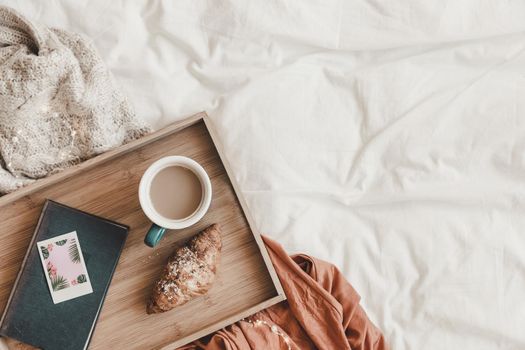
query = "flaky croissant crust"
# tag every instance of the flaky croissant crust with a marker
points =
(189, 273)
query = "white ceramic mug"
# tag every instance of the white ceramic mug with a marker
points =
(161, 223)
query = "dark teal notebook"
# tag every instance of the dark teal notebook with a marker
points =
(30, 315)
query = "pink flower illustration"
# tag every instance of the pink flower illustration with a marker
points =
(51, 269)
(74, 282)
(50, 246)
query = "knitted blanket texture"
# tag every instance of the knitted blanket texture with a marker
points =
(59, 104)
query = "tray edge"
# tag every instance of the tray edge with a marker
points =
(244, 206)
(221, 324)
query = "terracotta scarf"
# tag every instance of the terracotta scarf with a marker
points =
(322, 311)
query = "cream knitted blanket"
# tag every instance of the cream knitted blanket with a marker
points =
(59, 105)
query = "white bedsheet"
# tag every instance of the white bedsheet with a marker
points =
(387, 137)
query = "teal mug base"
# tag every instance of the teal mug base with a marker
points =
(154, 235)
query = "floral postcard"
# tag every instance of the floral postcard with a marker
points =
(64, 267)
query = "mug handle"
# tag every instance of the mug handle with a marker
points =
(154, 235)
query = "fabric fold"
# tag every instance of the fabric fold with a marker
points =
(322, 311)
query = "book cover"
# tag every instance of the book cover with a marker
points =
(31, 315)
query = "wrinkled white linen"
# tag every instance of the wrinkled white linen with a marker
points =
(387, 137)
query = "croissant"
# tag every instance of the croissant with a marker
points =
(190, 272)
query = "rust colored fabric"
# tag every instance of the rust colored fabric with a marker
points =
(322, 311)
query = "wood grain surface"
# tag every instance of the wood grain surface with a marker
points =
(107, 186)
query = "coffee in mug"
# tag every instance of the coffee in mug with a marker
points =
(175, 193)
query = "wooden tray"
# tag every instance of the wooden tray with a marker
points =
(107, 185)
